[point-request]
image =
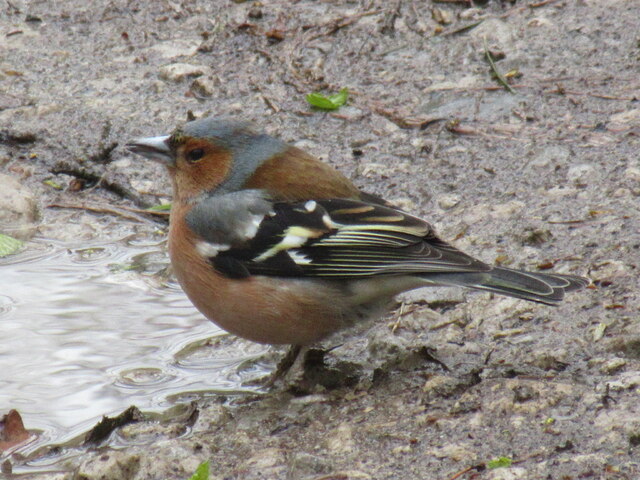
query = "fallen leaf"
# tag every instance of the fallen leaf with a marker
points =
(12, 431)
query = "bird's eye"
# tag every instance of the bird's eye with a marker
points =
(195, 155)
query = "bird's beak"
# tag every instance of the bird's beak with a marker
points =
(154, 148)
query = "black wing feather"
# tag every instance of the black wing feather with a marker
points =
(343, 239)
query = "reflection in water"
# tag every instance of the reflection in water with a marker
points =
(89, 330)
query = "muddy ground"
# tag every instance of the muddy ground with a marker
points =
(546, 176)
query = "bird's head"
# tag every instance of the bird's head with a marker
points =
(209, 155)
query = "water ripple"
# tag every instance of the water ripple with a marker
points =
(94, 328)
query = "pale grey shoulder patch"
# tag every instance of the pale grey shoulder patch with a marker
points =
(231, 218)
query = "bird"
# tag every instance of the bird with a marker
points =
(278, 247)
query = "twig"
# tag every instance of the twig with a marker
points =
(478, 468)
(454, 126)
(462, 2)
(562, 91)
(404, 119)
(338, 23)
(108, 210)
(96, 179)
(157, 213)
(270, 103)
(494, 69)
(542, 4)
(565, 222)
(462, 29)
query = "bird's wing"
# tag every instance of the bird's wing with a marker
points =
(338, 239)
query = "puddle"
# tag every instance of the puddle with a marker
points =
(88, 330)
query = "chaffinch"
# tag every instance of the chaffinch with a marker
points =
(277, 247)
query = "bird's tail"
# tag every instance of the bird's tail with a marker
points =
(547, 288)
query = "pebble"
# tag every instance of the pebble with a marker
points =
(341, 439)
(113, 465)
(551, 155)
(177, 72)
(448, 201)
(265, 459)
(581, 174)
(176, 48)
(495, 31)
(19, 212)
(633, 174)
(511, 473)
(351, 114)
(454, 452)
(612, 366)
(609, 269)
(205, 86)
(626, 381)
(629, 117)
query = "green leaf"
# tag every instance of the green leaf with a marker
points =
(163, 207)
(332, 102)
(9, 245)
(202, 472)
(501, 462)
(53, 184)
(339, 98)
(320, 101)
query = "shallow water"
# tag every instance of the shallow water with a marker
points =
(88, 330)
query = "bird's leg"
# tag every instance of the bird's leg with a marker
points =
(284, 365)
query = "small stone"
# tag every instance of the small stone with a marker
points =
(440, 386)
(559, 191)
(632, 173)
(630, 117)
(505, 210)
(613, 365)
(205, 86)
(266, 459)
(359, 142)
(18, 209)
(304, 464)
(552, 155)
(539, 22)
(448, 201)
(621, 193)
(628, 344)
(341, 439)
(255, 13)
(456, 453)
(177, 72)
(112, 465)
(626, 381)
(609, 270)
(350, 113)
(403, 203)
(176, 48)
(495, 31)
(388, 126)
(581, 174)
(551, 361)
(511, 473)
(524, 393)
(402, 449)
(471, 13)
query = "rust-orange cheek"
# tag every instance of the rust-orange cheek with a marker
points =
(205, 174)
